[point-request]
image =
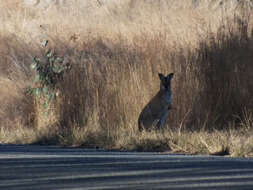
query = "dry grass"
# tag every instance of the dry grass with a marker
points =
(114, 74)
(221, 143)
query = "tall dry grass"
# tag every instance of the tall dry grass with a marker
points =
(112, 78)
(112, 83)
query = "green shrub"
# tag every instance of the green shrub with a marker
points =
(49, 72)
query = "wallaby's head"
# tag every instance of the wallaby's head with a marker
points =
(165, 81)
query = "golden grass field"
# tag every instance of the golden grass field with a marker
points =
(116, 49)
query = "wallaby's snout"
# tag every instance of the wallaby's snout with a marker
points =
(155, 112)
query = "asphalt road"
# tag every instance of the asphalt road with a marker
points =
(55, 168)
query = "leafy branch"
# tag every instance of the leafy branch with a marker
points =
(49, 72)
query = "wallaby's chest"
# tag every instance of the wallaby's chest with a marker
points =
(166, 97)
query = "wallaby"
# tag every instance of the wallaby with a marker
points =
(155, 112)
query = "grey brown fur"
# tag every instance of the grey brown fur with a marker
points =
(155, 112)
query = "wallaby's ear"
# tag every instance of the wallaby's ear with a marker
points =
(161, 76)
(170, 76)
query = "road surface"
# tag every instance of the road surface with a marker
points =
(55, 168)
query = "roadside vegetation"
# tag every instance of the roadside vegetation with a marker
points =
(97, 102)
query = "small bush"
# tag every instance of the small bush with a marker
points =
(48, 74)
